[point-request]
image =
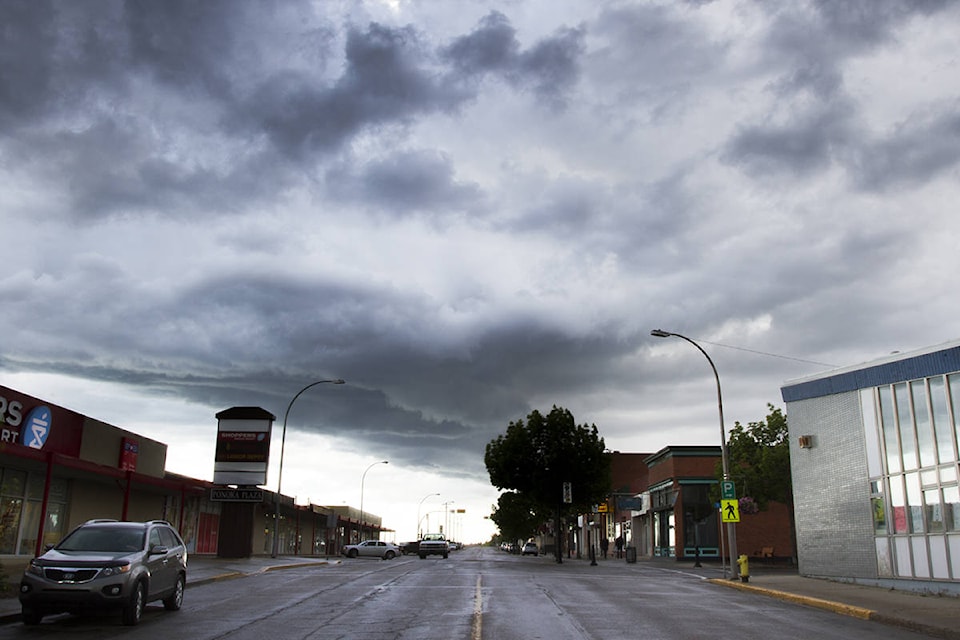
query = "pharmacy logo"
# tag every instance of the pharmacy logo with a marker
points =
(37, 427)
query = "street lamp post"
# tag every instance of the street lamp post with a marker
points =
(446, 518)
(362, 478)
(417, 531)
(731, 530)
(283, 442)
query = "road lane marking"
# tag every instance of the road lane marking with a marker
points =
(477, 630)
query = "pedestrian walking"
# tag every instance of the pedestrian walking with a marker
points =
(604, 546)
(619, 544)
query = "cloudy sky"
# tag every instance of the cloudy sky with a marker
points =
(467, 210)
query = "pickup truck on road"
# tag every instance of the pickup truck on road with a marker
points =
(433, 544)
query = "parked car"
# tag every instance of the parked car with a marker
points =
(410, 547)
(530, 548)
(372, 549)
(104, 565)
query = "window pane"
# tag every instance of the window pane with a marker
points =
(889, 425)
(879, 515)
(10, 509)
(908, 443)
(13, 483)
(925, 441)
(934, 511)
(948, 473)
(955, 402)
(951, 508)
(898, 504)
(914, 502)
(941, 420)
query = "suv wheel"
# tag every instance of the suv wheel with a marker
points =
(174, 601)
(133, 610)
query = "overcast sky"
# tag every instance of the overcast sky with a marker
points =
(467, 210)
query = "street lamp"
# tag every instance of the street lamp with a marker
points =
(446, 518)
(283, 442)
(362, 478)
(417, 531)
(731, 530)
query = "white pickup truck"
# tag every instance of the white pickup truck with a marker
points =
(433, 544)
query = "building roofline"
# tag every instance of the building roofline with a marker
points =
(896, 367)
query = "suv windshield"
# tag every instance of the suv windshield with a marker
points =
(103, 539)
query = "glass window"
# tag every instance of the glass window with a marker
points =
(951, 508)
(879, 515)
(934, 511)
(908, 443)
(889, 426)
(941, 420)
(955, 403)
(914, 502)
(925, 441)
(948, 474)
(898, 504)
(13, 483)
(10, 510)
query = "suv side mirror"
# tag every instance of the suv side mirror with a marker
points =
(158, 550)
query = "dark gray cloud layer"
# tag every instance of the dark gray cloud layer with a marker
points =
(471, 213)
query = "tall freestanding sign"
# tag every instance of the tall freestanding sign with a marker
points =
(243, 446)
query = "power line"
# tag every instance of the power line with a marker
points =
(764, 353)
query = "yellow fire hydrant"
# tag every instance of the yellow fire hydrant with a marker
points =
(744, 565)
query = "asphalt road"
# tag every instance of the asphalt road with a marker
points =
(478, 593)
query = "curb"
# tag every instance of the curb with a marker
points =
(828, 605)
(844, 609)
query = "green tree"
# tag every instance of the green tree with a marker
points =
(515, 516)
(759, 457)
(534, 458)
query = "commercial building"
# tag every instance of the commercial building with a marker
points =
(59, 468)
(874, 460)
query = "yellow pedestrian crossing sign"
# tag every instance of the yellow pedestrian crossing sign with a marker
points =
(730, 510)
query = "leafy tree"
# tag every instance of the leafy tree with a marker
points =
(515, 516)
(535, 458)
(759, 456)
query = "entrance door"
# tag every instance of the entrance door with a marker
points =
(208, 530)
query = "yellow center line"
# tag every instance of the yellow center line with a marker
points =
(477, 631)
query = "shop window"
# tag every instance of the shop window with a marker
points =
(908, 442)
(942, 426)
(951, 508)
(934, 511)
(925, 441)
(888, 424)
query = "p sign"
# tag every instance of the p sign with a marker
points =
(36, 428)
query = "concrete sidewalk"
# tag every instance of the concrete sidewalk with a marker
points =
(936, 616)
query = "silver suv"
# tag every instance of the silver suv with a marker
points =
(107, 564)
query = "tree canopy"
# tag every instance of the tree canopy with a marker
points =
(759, 457)
(533, 458)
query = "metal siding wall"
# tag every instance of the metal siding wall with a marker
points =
(835, 535)
(929, 364)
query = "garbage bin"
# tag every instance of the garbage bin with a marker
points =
(631, 554)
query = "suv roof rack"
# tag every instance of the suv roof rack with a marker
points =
(100, 520)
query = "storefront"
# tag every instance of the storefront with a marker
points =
(874, 459)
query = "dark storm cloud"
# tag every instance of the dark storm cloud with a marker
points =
(801, 146)
(550, 68)
(404, 183)
(920, 149)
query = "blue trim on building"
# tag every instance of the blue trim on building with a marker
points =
(910, 368)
